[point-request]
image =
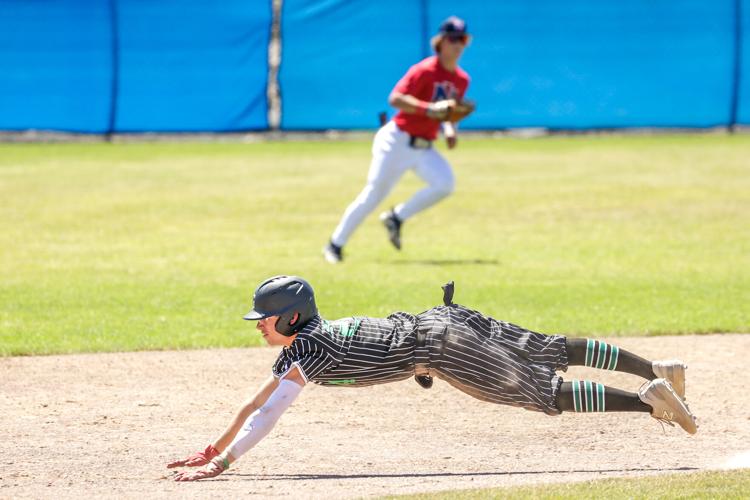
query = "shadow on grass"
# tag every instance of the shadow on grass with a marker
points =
(310, 477)
(443, 262)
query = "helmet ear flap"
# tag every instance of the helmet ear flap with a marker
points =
(287, 324)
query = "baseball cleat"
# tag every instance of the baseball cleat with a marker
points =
(674, 371)
(393, 226)
(333, 253)
(666, 405)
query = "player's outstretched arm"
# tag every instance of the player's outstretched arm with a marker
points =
(255, 428)
(410, 104)
(405, 102)
(214, 449)
(257, 401)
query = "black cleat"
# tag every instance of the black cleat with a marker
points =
(333, 253)
(393, 226)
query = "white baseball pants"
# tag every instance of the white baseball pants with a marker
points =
(391, 157)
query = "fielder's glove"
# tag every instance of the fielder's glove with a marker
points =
(450, 110)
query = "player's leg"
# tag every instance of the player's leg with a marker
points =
(587, 396)
(435, 170)
(503, 363)
(606, 356)
(390, 159)
(494, 361)
(657, 397)
(383, 175)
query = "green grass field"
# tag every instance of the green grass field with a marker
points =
(158, 246)
(708, 485)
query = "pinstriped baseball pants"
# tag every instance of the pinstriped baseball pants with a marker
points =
(492, 360)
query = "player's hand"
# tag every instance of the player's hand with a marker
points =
(196, 459)
(213, 469)
(451, 137)
(439, 110)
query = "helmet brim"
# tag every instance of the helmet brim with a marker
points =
(255, 315)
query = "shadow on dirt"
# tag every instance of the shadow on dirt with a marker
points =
(310, 477)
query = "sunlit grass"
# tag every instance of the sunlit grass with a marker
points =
(725, 484)
(156, 246)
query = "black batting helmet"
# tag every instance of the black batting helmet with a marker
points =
(284, 296)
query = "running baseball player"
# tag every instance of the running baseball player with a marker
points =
(491, 360)
(429, 94)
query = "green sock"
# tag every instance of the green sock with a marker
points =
(601, 355)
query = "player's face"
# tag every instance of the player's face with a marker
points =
(453, 46)
(268, 328)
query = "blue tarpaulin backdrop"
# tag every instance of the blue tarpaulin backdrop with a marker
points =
(55, 65)
(601, 63)
(743, 83)
(341, 58)
(188, 65)
(193, 65)
(134, 65)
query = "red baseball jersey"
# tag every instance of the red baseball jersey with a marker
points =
(429, 81)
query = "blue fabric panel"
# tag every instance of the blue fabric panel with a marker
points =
(341, 58)
(597, 63)
(55, 65)
(192, 65)
(743, 112)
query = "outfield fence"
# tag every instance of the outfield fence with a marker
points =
(119, 66)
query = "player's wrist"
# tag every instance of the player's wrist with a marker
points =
(439, 110)
(211, 451)
(421, 108)
(221, 461)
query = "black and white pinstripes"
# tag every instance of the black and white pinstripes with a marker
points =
(378, 350)
(490, 360)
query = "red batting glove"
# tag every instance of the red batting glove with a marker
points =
(213, 469)
(196, 459)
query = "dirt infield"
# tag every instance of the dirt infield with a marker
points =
(106, 424)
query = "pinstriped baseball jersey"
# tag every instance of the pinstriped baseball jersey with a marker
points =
(491, 360)
(355, 351)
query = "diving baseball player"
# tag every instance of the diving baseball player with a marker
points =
(429, 94)
(491, 360)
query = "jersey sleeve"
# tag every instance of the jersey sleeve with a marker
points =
(310, 356)
(465, 80)
(462, 92)
(412, 82)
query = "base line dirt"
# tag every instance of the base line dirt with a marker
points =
(105, 425)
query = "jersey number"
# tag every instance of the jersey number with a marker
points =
(444, 90)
